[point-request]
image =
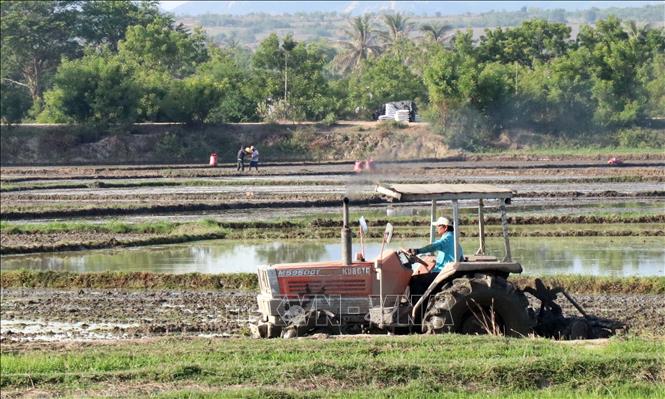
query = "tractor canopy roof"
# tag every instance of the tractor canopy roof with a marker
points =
(442, 192)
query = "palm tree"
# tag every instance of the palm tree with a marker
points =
(436, 31)
(638, 32)
(360, 46)
(398, 27)
(287, 45)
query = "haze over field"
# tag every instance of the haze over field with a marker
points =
(141, 240)
(195, 8)
(479, 78)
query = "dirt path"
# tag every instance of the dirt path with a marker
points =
(43, 314)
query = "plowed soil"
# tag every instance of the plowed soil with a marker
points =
(44, 314)
(147, 190)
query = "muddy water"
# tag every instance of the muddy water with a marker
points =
(621, 256)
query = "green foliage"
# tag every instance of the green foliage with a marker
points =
(238, 102)
(536, 40)
(398, 28)
(381, 80)
(98, 88)
(359, 47)
(308, 91)
(469, 98)
(15, 102)
(450, 76)
(533, 77)
(280, 110)
(104, 23)
(294, 72)
(655, 86)
(641, 138)
(617, 63)
(35, 35)
(463, 127)
(139, 65)
(329, 119)
(159, 46)
(247, 28)
(154, 87)
(191, 99)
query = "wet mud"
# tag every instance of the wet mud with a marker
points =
(50, 315)
(27, 314)
(80, 314)
(98, 191)
(78, 241)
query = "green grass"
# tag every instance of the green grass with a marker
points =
(411, 366)
(248, 281)
(635, 220)
(113, 226)
(595, 151)
(127, 280)
(599, 285)
(81, 235)
(289, 232)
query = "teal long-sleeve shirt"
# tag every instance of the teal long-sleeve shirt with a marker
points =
(444, 248)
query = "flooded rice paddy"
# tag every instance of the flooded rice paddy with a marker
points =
(597, 256)
(192, 192)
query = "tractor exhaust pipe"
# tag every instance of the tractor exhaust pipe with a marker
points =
(346, 234)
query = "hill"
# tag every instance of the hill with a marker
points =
(321, 23)
(196, 8)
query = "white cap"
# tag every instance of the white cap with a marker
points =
(441, 222)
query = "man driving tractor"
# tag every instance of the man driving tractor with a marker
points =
(444, 246)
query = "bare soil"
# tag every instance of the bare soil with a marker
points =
(299, 184)
(337, 169)
(55, 239)
(62, 314)
(45, 314)
(293, 189)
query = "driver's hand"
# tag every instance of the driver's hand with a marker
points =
(411, 251)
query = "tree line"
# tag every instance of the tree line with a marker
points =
(122, 62)
(246, 28)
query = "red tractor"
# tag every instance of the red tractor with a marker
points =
(472, 296)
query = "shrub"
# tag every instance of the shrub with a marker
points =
(330, 119)
(14, 103)
(463, 128)
(279, 110)
(642, 138)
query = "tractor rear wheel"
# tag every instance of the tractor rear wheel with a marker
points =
(482, 304)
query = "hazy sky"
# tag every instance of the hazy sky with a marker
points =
(170, 5)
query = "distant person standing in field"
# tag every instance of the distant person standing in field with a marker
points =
(241, 159)
(254, 160)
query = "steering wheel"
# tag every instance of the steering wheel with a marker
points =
(414, 258)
